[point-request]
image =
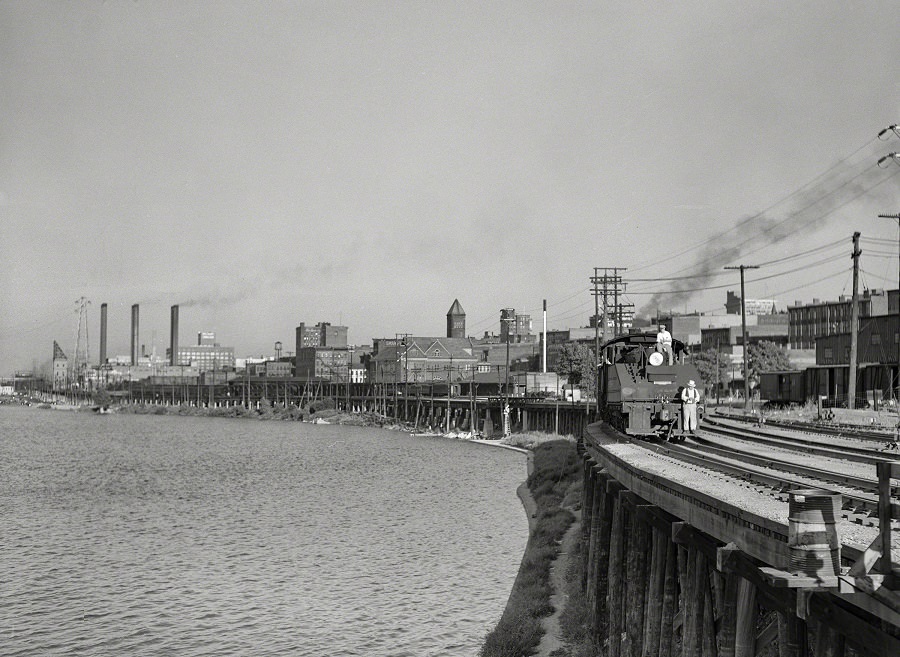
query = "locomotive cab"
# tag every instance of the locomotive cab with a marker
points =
(639, 392)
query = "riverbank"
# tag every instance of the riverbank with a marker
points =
(551, 497)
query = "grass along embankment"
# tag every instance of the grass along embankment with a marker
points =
(555, 484)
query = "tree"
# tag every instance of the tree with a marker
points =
(705, 362)
(576, 362)
(102, 398)
(766, 356)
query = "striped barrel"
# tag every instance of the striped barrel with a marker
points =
(813, 541)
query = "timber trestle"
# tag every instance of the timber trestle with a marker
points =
(669, 571)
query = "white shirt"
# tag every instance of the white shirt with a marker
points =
(664, 337)
(690, 395)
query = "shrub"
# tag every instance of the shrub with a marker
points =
(321, 405)
(555, 470)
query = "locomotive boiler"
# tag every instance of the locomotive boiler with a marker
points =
(639, 392)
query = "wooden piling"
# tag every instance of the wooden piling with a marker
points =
(669, 598)
(690, 623)
(616, 580)
(602, 563)
(587, 498)
(829, 643)
(707, 617)
(655, 586)
(638, 547)
(728, 625)
(746, 613)
(792, 637)
(598, 484)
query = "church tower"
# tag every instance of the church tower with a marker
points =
(456, 321)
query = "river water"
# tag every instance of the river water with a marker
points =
(160, 535)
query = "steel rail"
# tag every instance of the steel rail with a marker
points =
(848, 452)
(857, 506)
(845, 431)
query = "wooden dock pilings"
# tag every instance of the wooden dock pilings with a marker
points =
(662, 579)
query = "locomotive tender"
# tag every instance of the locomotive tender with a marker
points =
(639, 392)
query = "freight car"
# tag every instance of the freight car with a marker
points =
(829, 383)
(640, 393)
(783, 388)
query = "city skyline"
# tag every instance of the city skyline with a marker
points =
(367, 163)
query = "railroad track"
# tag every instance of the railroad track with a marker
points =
(778, 475)
(844, 431)
(845, 451)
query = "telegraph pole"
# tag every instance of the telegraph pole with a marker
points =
(744, 334)
(897, 380)
(612, 284)
(595, 279)
(854, 326)
(506, 315)
(884, 162)
(544, 346)
(397, 344)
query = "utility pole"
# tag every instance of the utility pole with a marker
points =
(888, 133)
(506, 315)
(449, 390)
(854, 326)
(544, 351)
(896, 381)
(744, 334)
(595, 280)
(398, 344)
(349, 374)
(612, 284)
(718, 384)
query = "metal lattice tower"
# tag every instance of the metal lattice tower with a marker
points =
(82, 354)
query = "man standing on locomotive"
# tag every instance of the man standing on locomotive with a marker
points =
(664, 342)
(690, 397)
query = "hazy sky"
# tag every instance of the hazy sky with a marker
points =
(270, 163)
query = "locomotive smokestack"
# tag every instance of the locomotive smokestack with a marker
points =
(102, 334)
(173, 338)
(135, 341)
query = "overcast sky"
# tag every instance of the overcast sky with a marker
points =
(264, 164)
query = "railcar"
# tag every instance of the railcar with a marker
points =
(783, 388)
(875, 384)
(639, 392)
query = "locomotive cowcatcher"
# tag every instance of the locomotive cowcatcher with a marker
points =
(639, 392)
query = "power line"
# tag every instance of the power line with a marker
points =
(762, 212)
(755, 280)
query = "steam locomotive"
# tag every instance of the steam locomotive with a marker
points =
(639, 392)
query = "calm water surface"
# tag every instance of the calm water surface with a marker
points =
(157, 535)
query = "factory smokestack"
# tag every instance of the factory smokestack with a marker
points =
(102, 334)
(135, 343)
(173, 337)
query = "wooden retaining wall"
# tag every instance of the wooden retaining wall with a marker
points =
(657, 585)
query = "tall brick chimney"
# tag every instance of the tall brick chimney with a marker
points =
(102, 334)
(173, 337)
(135, 340)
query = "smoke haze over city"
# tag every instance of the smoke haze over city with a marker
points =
(366, 163)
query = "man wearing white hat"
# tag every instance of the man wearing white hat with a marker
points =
(690, 397)
(664, 342)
